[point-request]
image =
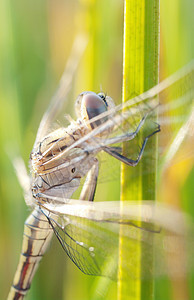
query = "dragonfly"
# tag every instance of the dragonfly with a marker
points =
(63, 158)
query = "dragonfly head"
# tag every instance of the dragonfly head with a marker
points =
(90, 105)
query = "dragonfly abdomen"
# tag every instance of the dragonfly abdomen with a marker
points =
(36, 239)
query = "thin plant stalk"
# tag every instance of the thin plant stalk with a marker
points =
(140, 72)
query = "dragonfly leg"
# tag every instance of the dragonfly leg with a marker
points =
(124, 159)
(89, 188)
(126, 136)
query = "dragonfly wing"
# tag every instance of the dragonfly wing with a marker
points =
(59, 97)
(176, 95)
(84, 241)
(175, 111)
(90, 235)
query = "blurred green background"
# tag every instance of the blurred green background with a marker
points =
(35, 43)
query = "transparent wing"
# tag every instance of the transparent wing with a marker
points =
(59, 98)
(172, 100)
(176, 95)
(90, 234)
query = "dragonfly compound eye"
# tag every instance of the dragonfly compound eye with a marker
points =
(88, 106)
(92, 106)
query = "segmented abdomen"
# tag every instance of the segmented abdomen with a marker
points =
(36, 239)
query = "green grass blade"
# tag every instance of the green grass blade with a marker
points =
(140, 72)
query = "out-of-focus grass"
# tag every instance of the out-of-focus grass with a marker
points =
(177, 48)
(35, 41)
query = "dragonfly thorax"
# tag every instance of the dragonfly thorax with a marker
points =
(57, 166)
(56, 170)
